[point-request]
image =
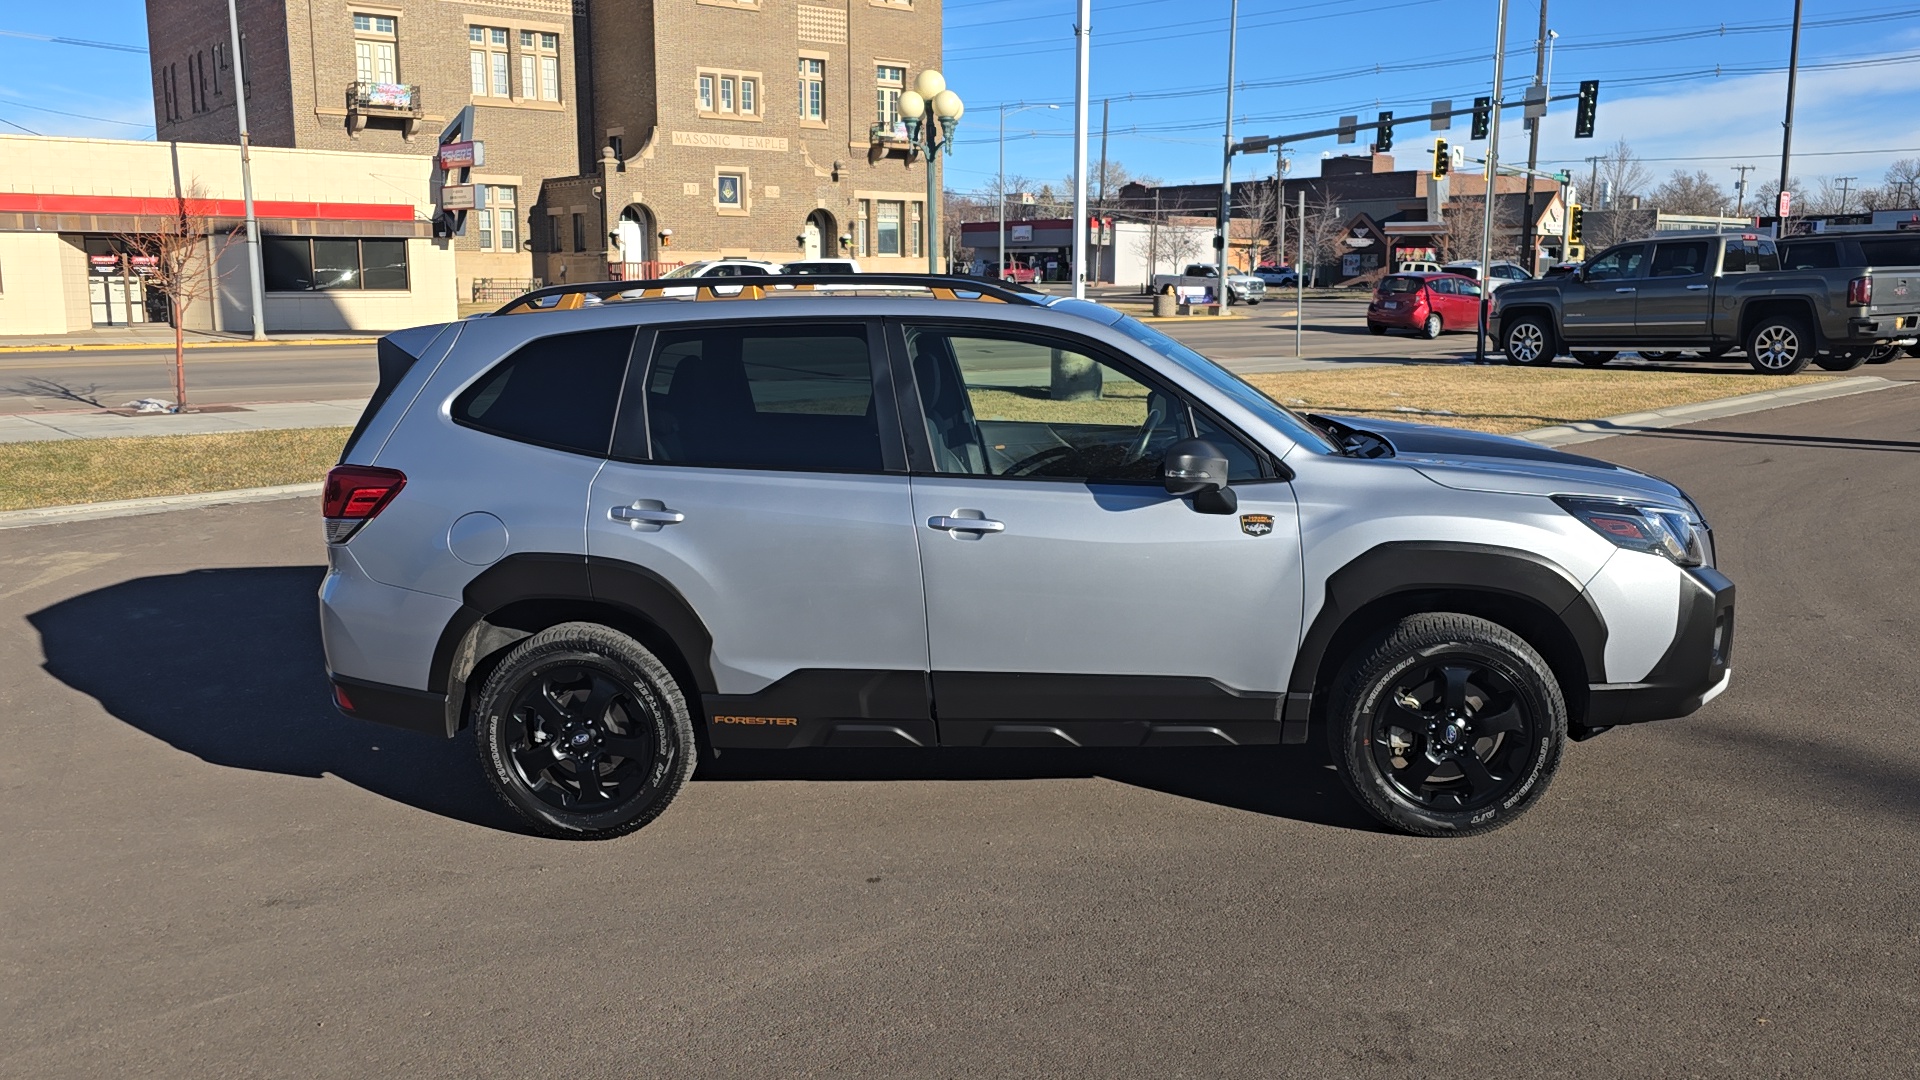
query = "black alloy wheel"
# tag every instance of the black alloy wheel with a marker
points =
(1450, 725)
(584, 733)
(1883, 354)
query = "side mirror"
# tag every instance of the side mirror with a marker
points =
(1196, 467)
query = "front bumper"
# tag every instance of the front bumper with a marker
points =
(1696, 668)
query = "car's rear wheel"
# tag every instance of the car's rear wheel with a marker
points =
(1593, 357)
(1447, 725)
(1883, 354)
(1844, 361)
(1376, 328)
(1528, 340)
(584, 733)
(1779, 345)
(1433, 326)
(1655, 354)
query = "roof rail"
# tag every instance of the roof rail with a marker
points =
(941, 286)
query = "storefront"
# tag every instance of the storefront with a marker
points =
(346, 237)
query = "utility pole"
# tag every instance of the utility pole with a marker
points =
(1786, 137)
(1533, 149)
(1100, 200)
(1493, 176)
(1846, 183)
(1740, 189)
(1083, 31)
(256, 283)
(1225, 236)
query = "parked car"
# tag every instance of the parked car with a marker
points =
(1241, 288)
(1501, 274)
(1715, 292)
(714, 268)
(1418, 266)
(822, 266)
(1278, 277)
(1020, 275)
(1429, 303)
(844, 519)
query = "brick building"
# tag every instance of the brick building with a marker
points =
(386, 77)
(616, 131)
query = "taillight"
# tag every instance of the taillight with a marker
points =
(1860, 292)
(354, 495)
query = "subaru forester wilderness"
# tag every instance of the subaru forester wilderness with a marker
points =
(935, 512)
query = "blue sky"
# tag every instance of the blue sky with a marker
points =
(1302, 63)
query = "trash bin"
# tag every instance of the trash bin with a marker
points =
(1165, 303)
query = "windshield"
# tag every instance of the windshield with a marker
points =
(1283, 419)
(688, 270)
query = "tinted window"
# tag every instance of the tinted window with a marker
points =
(767, 398)
(1749, 256)
(1400, 285)
(1892, 251)
(1443, 285)
(1818, 255)
(557, 391)
(1683, 259)
(1006, 406)
(1619, 263)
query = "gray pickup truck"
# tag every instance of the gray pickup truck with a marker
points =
(1714, 293)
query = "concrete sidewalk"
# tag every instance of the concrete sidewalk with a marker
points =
(160, 336)
(264, 416)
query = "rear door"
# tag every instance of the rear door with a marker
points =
(759, 479)
(1599, 307)
(1070, 599)
(1675, 300)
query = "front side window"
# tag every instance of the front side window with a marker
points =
(797, 398)
(889, 228)
(1679, 259)
(889, 81)
(556, 391)
(1004, 406)
(1616, 264)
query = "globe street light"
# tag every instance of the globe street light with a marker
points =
(930, 93)
(1002, 250)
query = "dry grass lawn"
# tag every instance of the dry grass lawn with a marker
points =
(96, 470)
(1505, 399)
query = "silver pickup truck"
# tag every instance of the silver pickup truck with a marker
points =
(1241, 288)
(1714, 293)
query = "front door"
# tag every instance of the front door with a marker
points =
(1070, 599)
(1676, 298)
(1600, 306)
(810, 240)
(759, 482)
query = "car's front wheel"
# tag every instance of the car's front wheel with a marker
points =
(1529, 340)
(584, 732)
(1447, 725)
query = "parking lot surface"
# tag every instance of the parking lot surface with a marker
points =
(210, 873)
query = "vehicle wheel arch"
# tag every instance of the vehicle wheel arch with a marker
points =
(1519, 590)
(1767, 307)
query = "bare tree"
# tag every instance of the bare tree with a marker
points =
(1170, 245)
(175, 257)
(1617, 172)
(1767, 197)
(1326, 236)
(1901, 186)
(1690, 193)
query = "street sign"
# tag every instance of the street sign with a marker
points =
(459, 197)
(462, 155)
(1022, 234)
(1349, 128)
(1786, 204)
(1441, 121)
(1536, 101)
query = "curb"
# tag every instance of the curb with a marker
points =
(50, 515)
(1655, 419)
(129, 346)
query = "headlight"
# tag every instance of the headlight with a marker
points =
(1655, 529)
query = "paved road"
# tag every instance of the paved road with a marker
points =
(34, 382)
(209, 873)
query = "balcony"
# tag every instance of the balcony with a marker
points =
(383, 101)
(884, 139)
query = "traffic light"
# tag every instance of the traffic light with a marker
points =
(1441, 159)
(1385, 142)
(1584, 110)
(1482, 117)
(1573, 224)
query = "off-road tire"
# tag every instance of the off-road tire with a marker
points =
(1529, 340)
(1593, 357)
(644, 712)
(1780, 345)
(1366, 708)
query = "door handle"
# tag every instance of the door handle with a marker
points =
(1698, 288)
(966, 524)
(1626, 290)
(643, 515)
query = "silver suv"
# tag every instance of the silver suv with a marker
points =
(940, 512)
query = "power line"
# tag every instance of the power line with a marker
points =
(22, 127)
(16, 102)
(82, 42)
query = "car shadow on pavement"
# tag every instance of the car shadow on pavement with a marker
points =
(226, 665)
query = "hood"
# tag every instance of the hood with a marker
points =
(1473, 461)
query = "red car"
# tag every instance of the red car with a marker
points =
(1429, 303)
(1019, 275)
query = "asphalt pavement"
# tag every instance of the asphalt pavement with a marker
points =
(210, 873)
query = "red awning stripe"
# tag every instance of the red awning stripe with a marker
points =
(227, 208)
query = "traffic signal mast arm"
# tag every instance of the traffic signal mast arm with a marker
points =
(1264, 144)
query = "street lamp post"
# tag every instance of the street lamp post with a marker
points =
(930, 93)
(1000, 253)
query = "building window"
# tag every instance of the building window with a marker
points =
(729, 94)
(706, 93)
(889, 228)
(375, 59)
(747, 96)
(913, 232)
(300, 264)
(483, 220)
(813, 80)
(502, 199)
(169, 93)
(860, 228)
(889, 82)
(487, 61)
(550, 74)
(731, 191)
(539, 65)
(726, 93)
(579, 232)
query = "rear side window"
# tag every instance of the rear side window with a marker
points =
(555, 391)
(769, 398)
(1892, 251)
(1752, 256)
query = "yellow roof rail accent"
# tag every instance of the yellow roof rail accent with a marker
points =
(936, 286)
